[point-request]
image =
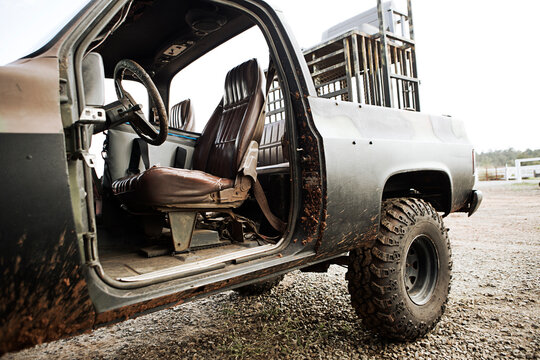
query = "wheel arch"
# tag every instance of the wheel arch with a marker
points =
(434, 186)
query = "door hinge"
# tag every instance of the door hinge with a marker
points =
(64, 99)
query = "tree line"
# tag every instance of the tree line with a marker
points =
(500, 158)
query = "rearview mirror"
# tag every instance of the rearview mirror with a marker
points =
(93, 75)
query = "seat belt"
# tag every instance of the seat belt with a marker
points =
(258, 191)
(249, 165)
(139, 149)
(270, 73)
(180, 157)
(263, 204)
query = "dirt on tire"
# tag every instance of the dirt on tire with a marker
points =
(375, 276)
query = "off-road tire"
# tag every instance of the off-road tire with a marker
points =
(377, 274)
(259, 288)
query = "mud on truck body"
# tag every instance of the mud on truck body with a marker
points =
(289, 172)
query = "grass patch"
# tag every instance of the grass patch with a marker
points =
(526, 185)
(274, 332)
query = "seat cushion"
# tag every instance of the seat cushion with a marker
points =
(165, 186)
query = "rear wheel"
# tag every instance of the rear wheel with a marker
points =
(399, 286)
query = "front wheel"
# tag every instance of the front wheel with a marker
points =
(399, 286)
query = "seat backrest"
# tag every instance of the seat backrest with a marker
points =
(181, 116)
(271, 146)
(234, 124)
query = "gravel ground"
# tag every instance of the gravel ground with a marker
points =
(493, 311)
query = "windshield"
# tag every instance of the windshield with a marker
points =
(27, 25)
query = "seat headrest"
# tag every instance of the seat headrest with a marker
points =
(241, 82)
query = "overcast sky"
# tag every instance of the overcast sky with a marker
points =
(477, 60)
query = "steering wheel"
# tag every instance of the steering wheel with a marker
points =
(137, 120)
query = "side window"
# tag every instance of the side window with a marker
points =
(203, 80)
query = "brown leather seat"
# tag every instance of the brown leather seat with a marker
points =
(181, 116)
(273, 157)
(219, 156)
(161, 186)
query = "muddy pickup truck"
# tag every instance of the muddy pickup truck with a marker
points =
(230, 171)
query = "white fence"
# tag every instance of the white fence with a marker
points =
(520, 170)
(509, 173)
(530, 171)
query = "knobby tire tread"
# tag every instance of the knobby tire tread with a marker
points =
(372, 275)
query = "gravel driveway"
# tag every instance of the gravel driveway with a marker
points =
(493, 312)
